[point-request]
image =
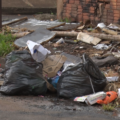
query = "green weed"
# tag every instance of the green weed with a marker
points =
(108, 107)
(6, 44)
(67, 20)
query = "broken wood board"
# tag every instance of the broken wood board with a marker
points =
(68, 27)
(39, 36)
(99, 35)
(20, 34)
(14, 21)
(33, 24)
(84, 37)
(1, 83)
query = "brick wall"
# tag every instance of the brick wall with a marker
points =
(82, 10)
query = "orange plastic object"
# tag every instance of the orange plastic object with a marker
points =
(110, 96)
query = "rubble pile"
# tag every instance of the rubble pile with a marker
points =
(82, 64)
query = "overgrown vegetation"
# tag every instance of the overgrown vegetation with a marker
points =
(109, 107)
(6, 44)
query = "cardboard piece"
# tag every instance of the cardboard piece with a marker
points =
(91, 99)
(52, 64)
(88, 39)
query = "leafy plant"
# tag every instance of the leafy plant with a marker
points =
(6, 44)
(108, 107)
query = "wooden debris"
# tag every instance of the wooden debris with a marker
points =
(99, 35)
(15, 21)
(110, 31)
(21, 34)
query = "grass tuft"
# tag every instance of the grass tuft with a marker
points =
(6, 44)
(108, 107)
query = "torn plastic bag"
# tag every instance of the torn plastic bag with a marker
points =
(23, 75)
(76, 80)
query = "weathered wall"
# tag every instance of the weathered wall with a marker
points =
(81, 10)
(29, 3)
(28, 6)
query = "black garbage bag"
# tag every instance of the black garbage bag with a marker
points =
(77, 80)
(23, 75)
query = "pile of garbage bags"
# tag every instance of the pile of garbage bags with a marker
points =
(23, 75)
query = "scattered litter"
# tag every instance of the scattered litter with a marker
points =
(110, 31)
(119, 93)
(91, 99)
(101, 25)
(88, 39)
(102, 47)
(114, 27)
(116, 54)
(81, 27)
(110, 96)
(112, 79)
(52, 64)
(60, 41)
(81, 99)
(37, 51)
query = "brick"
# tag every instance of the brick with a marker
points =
(92, 18)
(92, 8)
(74, 12)
(77, 2)
(79, 10)
(79, 13)
(71, 1)
(116, 12)
(68, 11)
(97, 19)
(115, 21)
(71, 5)
(116, 15)
(64, 8)
(107, 6)
(74, 15)
(74, 9)
(116, 18)
(86, 17)
(73, 20)
(86, 14)
(118, 4)
(117, 7)
(92, 11)
(110, 21)
(65, 1)
(103, 0)
(79, 6)
(68, 14)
